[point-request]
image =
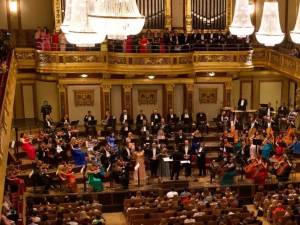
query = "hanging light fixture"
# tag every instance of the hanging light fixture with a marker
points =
(80, 32)
(119, 18)
(295, 34)
(270, 33)
(241, 24)
(67, 17)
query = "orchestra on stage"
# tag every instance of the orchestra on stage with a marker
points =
(252, 145)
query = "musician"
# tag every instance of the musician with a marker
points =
(180, 137)
(155, 117)
(223, 121)
(163, 126)
(269, 110)
(65, 120)
(292, 119)
(49, 124)
(125, 129)
(283, 169)
(177, 157)
(269, 123)
(126, 152)
(172, 118)
(242, 104)
(228, 169)
(89, 118)
(124, 117)
(144, 127)
(46, 110)
(201, 121)
(140, 120)
(109, 121)
(201, 159)
(282, 111)
(187, 120)
(187, 153)
(120, 172)
(153, 155)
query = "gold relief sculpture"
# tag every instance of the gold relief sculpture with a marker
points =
(84, 97)
(147, 97)
(208, 95)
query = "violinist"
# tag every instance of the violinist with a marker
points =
(187, 154)
(65, 120)
(282, 169)
(120, 172)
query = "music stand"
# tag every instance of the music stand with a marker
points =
(74, 123)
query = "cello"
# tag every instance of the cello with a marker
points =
(290, 135)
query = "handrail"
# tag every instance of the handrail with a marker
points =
(6, 119)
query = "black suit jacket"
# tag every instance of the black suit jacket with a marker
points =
(128, 120)
(283, 111)
(171, 120)
(155, 120)
(244, 106)
(200, 117)
(88, 118)
(126, 157)
(140, 118)
(188, 120)
(150, 153)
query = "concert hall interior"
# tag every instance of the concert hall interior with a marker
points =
(149, 112)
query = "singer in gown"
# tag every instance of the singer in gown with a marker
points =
(140, 173)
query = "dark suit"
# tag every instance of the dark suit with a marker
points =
(242, 104)
(282, 111)
(201, 160)
(86, 120)
(125, 155)
(177, 157)
(268, 110)
(179, 139)
(122, 120)
(153, 161)
(187, 122)
(172, 119)
(201, 120)
(155, 118)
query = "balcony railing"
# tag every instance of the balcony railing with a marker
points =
(133, 63)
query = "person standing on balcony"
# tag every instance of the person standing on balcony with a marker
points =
(143, 42)
(45, 36)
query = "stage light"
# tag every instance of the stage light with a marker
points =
(151, 77)
(84, 75)
(211, 74)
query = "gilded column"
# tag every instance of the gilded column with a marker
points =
(106, 99)
(127, 98)
(169, 97)
(227, 99)
(188, 16)
(298, 96)
(168, 17)
(229, 12)
(57, 14)
(63, 100)
(189, 97)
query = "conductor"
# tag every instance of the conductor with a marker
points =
(242, 104)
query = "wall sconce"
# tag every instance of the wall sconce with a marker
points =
(151, 77)
(13, 6)
(211, 74)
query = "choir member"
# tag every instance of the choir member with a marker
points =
(242, 104)
(153, 156)
(124, 117)
(201, 160)
(187, 155)
(176, 157)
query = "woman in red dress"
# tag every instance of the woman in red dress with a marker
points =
(143, 44)
(45, 36)
(129, 44)
(54, 40)
(27, 146)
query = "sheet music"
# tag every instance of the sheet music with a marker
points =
(167, 159)
(185, 162)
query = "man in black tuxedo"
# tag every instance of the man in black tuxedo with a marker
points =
(180, 137)
(269, 110)
(177, 157)
(242, 104)
(201, 121)
(126, 153)
(139, 120)
(172, 120)
(187, 120)
(109, 121)
(201, 160)
(124, 117)
(283, 111)
(155, 120)
(187, 153)
(153, 156)
(89, 118)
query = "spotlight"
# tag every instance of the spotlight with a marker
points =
(13, 6)
(84, 75)
(211, 74)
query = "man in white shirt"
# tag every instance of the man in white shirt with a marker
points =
(153, 155)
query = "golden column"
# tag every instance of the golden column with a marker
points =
(168, 17)
(62, 91)
(169, 98)
(57, 14)
(188, 16)
(189, 97)
(127, 98)
(105, 98)
(227, 99)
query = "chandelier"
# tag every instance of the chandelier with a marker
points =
(67, 19)
(80, 32)
(118, 18)
(295, 34)
(270, 32)
(241, 24)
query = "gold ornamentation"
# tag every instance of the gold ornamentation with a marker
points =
(84, 97)
(57, 14)
(208, 95)
(147, 97)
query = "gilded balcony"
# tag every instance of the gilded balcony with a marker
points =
(133, 63)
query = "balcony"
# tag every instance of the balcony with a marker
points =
(133, 63)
